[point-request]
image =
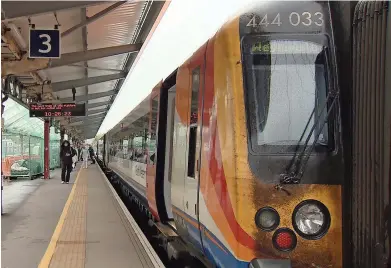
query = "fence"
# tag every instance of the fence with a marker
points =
(23, 155)
(22, 143)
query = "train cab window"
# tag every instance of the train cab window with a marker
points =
(286, 86)
(195, 87)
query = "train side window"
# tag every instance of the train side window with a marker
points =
(195, 87)
(153, 134)
(130, 148)
(125, 148)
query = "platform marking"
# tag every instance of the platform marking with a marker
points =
(45, 261)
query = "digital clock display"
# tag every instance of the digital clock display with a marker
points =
(57, 109)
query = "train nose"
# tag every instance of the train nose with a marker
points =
(258, 263)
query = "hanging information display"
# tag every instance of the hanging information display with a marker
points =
(57, 109)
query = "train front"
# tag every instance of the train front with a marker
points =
(277, 92)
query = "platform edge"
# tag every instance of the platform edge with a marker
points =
(142, 238)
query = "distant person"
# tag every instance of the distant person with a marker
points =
(66, 154)
(79, 148)
(74, 158)
(84, 153)
(92, 154)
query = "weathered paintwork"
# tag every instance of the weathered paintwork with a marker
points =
(215, 210)
(230, 194)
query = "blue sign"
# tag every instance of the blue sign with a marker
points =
(45, 43)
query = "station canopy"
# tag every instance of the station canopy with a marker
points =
(99, 43)
(17, 120)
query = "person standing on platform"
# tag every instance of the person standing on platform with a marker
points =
(66, 154)
(74, 158)
(79, 152)
(92, 154)
(84, 153)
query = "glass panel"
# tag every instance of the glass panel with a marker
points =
(154, 127)
(195, 87)
(286, 87)
(22, 142)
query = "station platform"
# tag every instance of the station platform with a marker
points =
(83, 224)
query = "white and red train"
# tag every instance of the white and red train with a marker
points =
(242, 154)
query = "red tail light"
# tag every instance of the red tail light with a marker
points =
(284, 239)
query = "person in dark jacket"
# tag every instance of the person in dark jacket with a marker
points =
(79, 154)
(92, 154)
(66, 154)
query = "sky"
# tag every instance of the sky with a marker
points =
(185, 26)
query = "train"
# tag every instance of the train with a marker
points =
(270, 145)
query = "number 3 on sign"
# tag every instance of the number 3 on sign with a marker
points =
(45, 42)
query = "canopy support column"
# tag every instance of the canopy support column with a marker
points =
(46, 137)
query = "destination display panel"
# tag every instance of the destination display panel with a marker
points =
(57, 109)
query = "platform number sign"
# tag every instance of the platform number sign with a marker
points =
(44, 43)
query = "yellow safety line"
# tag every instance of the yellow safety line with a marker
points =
(45, 261)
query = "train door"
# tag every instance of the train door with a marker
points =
(186, 161)
(169, 150)
(192, 180)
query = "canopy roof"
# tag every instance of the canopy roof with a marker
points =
(17, 120)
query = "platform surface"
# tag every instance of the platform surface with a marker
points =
(80, 225)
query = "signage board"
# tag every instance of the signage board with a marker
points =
(45, 43)
(57, 109)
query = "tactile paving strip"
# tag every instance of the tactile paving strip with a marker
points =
(70, 250)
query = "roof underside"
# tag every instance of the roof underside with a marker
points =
(96, 25)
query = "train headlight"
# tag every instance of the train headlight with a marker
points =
(311, 219)
(267, 219)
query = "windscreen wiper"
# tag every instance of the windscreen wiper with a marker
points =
(295, 169)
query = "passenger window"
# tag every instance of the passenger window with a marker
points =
(153, 134)
(130, 148)
(125, 148)
(195, 87)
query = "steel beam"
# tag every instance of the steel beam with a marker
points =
(100, 113)
(74, 57)
(84, 124)
(93, 113)
(97, 104)
(29, 65)
(90, 112)
(83, 18)
(20, 9)
(96, 68)
(89, 118)
(63, 85)
(7, 38)
(95, 17)
(89, 97)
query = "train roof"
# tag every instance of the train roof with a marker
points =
(141, 110)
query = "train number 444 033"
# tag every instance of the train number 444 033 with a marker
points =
(295, 19)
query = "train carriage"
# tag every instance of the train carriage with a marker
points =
(243, 154)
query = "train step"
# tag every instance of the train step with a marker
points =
(166, 230)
